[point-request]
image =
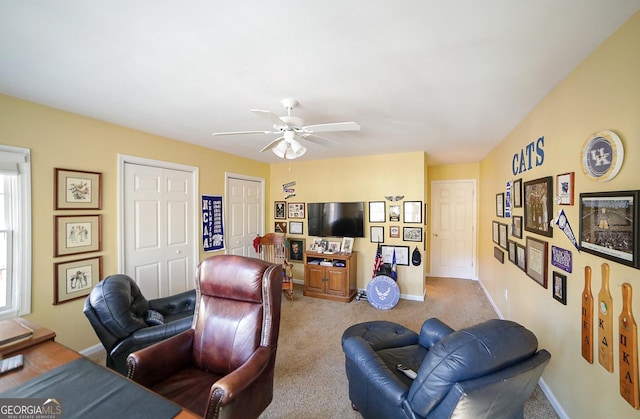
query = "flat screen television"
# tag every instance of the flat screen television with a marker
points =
(336, 219)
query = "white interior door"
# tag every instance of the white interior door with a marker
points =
(245, 214)
(453, 250)
(159, 229)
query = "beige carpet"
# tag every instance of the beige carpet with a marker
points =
(310, 381)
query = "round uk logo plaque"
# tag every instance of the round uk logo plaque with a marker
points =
(383, 292)
(602, 156)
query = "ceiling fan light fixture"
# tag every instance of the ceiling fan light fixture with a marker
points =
(281, 149)
(297, 150)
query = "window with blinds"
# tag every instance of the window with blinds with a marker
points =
(15, 231)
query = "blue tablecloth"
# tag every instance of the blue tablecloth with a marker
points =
(84, 389)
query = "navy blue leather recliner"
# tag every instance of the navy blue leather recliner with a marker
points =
(488, 370)
(118, 311)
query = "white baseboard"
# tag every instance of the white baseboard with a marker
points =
(92, 350)
(543, 385)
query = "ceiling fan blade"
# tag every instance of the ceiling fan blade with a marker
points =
(269, 116)
(336, 126)
(272, 144)
(327, 142)
(241, 132)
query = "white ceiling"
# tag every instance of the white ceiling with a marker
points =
(451, 78)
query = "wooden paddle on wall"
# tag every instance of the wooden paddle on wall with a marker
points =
(587, 317)
(605, 322)
(628, 350)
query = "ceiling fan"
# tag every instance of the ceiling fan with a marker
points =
(290, 128)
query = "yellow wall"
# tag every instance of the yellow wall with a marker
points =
(365, 179)
(602, 93)
(60, 139)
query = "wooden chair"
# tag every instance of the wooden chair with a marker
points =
(272, 248)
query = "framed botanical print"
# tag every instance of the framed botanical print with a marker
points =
(76, 189)
(77, 234)
(75, 279)
(538, 206)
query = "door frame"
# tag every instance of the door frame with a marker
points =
(474, 244)
(232, 175)
(141, 161)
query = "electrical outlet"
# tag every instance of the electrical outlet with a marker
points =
(506, 295)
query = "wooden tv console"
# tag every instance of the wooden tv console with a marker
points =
(330, 276)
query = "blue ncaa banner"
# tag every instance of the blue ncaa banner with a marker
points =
(212, 225)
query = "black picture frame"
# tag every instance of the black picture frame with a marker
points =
(377, 212)
(537, 266)
(503, 235)
(412, 234)
(295, 250)
(402, 254)
(516, 226)
(376, 234)
(517, 193)
(498, 254)
(521, 257)
(412, 212)
(500, 205)
(279, 210)
(538, 206)
(559, 287)
(495, 232)
(513, 252)
(608, 226)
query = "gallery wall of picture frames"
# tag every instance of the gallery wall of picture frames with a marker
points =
(76, 234)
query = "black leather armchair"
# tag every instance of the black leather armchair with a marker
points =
(488, 370)
(117, 311)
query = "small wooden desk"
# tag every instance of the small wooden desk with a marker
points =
(47, 355)
(40, 334)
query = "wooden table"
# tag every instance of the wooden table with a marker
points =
(40, 334)
(47, 355)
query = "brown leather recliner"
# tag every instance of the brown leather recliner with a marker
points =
(223, 366)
